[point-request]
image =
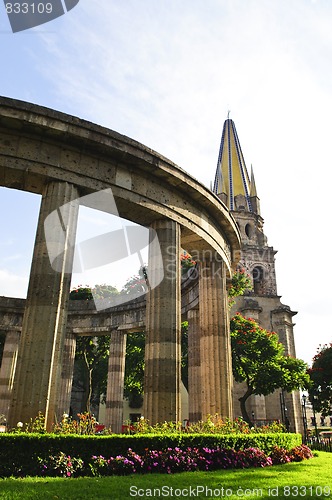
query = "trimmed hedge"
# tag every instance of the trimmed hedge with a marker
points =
(19, 452)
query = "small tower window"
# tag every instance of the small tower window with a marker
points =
(258, 277)
(248, 230)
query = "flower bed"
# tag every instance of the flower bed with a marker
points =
(170, 461)
(24, 454)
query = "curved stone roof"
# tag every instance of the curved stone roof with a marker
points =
(38, 145)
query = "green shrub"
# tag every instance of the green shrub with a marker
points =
(19, 452)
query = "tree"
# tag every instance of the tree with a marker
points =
(259, 361)
(91, 357)
(91, 363)
(320, 392)
(134, 369)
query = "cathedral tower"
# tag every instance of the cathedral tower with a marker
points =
(237, 190)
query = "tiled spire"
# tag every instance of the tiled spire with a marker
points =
(232, 177)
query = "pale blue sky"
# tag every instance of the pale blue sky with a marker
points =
(166, 73)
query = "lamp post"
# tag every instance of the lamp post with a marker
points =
(314, 412)
(287, 422)
(304, 416)
(282, 406)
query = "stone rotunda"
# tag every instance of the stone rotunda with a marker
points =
(67, 160)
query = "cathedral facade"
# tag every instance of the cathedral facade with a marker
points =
(237, 190)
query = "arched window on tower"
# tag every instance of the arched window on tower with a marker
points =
(258, 279)
(248, 230)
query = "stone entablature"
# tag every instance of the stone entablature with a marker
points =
(84, 319)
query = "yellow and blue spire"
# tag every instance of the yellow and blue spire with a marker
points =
(232, 177)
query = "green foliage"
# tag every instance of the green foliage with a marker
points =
(260, 362)
(295, 374)
(87, 293)
(81, 293)
(213, 424)
(134, 369)
(321, 376)
(104, 291)
(86, 424)
(91, 358)
(256, 352)
(60, 465)
(240, 283)
(35, 425)
(216, 425)
(143, 427)
(187, 262)
(137, 283)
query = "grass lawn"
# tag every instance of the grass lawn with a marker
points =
(310, 479)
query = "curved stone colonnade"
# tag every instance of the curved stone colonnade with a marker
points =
(84, 319)
(64, 159)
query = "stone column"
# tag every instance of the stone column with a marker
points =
(115, 381)
(163, 327)
(37, 379)
(216, 360)
(7, 371)
(194, 366)
(68, 360)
